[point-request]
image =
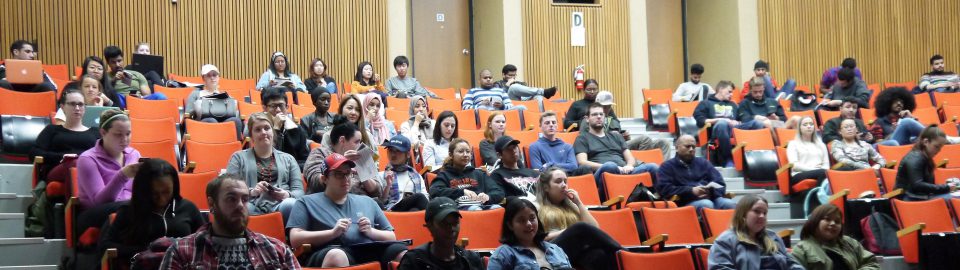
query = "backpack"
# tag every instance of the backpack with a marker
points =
(642, 193)
(38, 222)
(880, 234)
(822, 194)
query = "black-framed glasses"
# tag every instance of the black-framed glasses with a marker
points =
(75, 104)
(278, 106)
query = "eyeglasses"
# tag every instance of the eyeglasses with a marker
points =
(277, 106)
(339, 174)
(75, 104)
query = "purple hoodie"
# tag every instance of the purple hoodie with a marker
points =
(99, 180)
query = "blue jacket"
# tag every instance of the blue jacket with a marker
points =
(708, 108)
(728, 252)
(545, 153)
(520, 258)
(679, 178)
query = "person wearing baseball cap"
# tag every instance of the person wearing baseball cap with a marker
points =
(761, 69)
(335, 221)
(405, 189)
(515, 180)
(443, 221)
(211, 90)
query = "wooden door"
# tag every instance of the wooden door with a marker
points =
(442, 52)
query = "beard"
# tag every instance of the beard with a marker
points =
(229, 226)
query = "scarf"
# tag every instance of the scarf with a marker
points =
(377, 123)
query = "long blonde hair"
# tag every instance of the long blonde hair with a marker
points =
(814, 137)
(739, 225)
(554, 216)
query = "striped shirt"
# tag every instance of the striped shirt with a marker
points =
(476, 96)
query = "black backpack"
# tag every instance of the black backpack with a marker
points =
(880, 234)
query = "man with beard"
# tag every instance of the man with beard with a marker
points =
(606, 151)
(939, 80)
(226, 243)
(578, 109)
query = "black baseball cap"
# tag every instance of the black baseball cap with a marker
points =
(503, 142)
(439, 208)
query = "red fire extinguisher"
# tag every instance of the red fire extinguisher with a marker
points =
(578, 77)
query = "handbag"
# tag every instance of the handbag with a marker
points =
(219, 106)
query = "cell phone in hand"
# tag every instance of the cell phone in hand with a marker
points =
(143, 159)
(272, 188)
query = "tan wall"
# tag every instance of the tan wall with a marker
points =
(488, 38)
(713, 39)
(549, 59)
(238, 36)
(639, 55)
(398, 32)
(892, 40)
(665, 39)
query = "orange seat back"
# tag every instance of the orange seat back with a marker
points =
(623, 184)
(857, 182)
(246, 84)
(179, 95)
(472, 136)
(246, 109)
(946, 99)
(568, 137)
(301, 111)
(165, 150)
(410, 225)
(827, 115)
(868, 115)
(22, 103)
(927, 115)
(586, 187)
(940, 175)
(193, 187)
(482, 228)
(446, 93)
(268, 224)
(210, 157)
(654, 156)
(57, 71)
(512, 119)
(681, 224)
(466, 119)
(680, 259)
(801, 114)
(760, 139)
(153, 109)
(153, 130)
(531, 119)
(717, 220)
(397, 103)
(889, 177)
(908, 85)
(204, 132)
(893, 154)
(619, 225)
(396, 116)
(784, 135)
(933, 212)
(440, 105)
(949, 153)
(181, 78)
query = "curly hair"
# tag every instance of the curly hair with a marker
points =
(886, 98)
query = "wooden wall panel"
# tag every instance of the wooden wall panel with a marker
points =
(892, 40)
(549, 59)
(237, 36)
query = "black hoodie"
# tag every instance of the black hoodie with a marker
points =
(714, 108)
(451, 182)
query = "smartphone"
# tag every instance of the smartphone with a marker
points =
(143, 159)
(272, 188)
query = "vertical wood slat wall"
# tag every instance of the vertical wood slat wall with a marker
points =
(549, 59)
(892, 40)
(237, 36)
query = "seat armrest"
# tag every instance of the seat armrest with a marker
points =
(783, 178)
(710, 240)
(658, 240)
(890, 165)
(618, 202)
(943, 163)
(109, 256)
(911, 229)
(893, 194)
(192, 165)
(837, 166)
(839, 195)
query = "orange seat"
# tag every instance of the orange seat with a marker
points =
(946, 99)
(950, 153)
(179, 95)
(153, 130)
(165, 150)
(530, 105)
(210, 157)
(874, 92)
(933, 213)
(923, 100)
(568, 137)
(801, 114)
(237, 94)
(679, 259)
(827, 115)
(366, 266)
(446, 93)
(397, 103)
(301, 111)
(410, 225)
(466, 119)
(654, 156)
(940, 175)
(22, 103)
(58, 72)
(623, 184)
(681, 224)
(396, 116)
(213, 133)
(268, 224)
(558, 107)
(784, 136)
(655, 96)
(748, 140)
(512, 119)
(908, 85)
(153, 109)
(716, 221)
(586, 187)
(193, 187)
(440, 105)
(853, 183)
(246, 84)
(72, 209)
(531, 119)
(893, 154)
(482, 228)
(927, 115)
(472, 136)
(679, 110)
(246, 109)
(868, 115)
(619, 225)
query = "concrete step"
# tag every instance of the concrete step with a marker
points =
(783, 224)
(16, 178)
(772, 196)
(31, 251)
(14, 203)
(778, 211)
(729, 172)
(11, 225)
(734, 183)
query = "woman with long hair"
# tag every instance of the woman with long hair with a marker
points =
(95, 68)
(915, 171)
(155, 210)
(823, 246)
(569, 224)
(748, 244)
(496, 128)
(436, 149)
(59, 145)
(319, 79)
(278, 74)
(523, 238)
(854, 153)
(807, 153)
(367, 80)
(459, 181)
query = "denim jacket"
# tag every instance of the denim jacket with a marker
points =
(728, 252)
(521, 258)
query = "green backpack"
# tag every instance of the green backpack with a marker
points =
(39, 214)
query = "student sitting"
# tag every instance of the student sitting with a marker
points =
(405, 189)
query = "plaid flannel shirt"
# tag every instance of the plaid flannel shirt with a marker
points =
(196, 251)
